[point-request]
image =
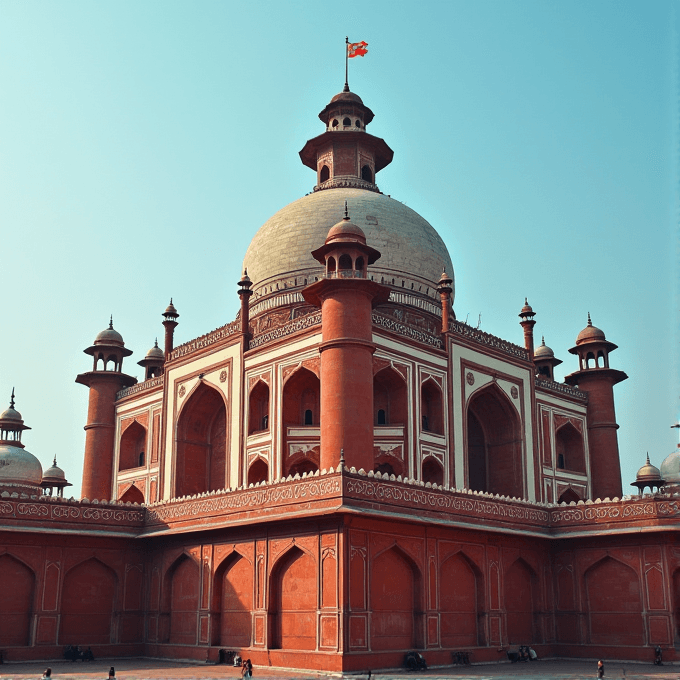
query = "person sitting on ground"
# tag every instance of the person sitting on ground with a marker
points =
(112, 673)
(47, 673)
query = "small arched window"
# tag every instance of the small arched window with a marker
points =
(366, 173)
(141, 458)
(335, 122)
(382, 419)
(359, 265)
(331, 264)
(346, 121)
(308, 417)
(325, 174)
(345, 262)
(590, 357)
(560, 461)
(358, 123)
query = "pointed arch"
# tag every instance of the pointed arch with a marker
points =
(494, 443)
(301, 393)
(132, 446)
(432, 407)
(675, 597)
(232, 601)
(258, 471)
(17, 591)
(614, 603)
(460, 600)
(133, 495)
(201, 442)
(293, 601)
(569, 496)
(181, 587)
(87, 603)
(433, 471)
(390, 396)
(569, 449)
(395, 602)
(521, 599)
(325, 174)
(258, 408)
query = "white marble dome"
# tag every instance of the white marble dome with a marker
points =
(670, 468)
(413, 255)
(18, 466)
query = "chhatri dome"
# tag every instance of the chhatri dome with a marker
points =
(346, 159)
(20, 470)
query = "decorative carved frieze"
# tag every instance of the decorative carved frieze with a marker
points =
(150, 384)
(482, 338)
(203, 341)
(391, 324)
(561, 388)
(294, 326)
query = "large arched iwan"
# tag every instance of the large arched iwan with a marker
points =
(459, 598)
(395, 601)
(614, 604)
(233, 602)
(293, 601)
(87, 604)
(494, 444)
(520, 600)
(17, 583)
(201, 443)
(180, 601)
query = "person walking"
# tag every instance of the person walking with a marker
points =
(600, 669)
(112, 673)
(47, 673)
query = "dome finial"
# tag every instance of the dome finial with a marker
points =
(11, 399)
(648, 458)
(111, 323)
(543, 340)
(155, 342)
(590, 323)
(54, 462)
(346, 217)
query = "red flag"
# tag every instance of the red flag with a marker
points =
(357, 49)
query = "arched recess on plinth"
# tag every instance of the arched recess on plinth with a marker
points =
(396, 602)
(233, 602)
(614, 603)
(258, 408)
(520, 588)
(461, 598)
(569, 449)
(302, 411)
(87, 604)
(293, 601)
(132, 447)
(675, 595)
(432, 407)
(181, 586)
(569, 496)
(302, 461)
(201, 443)
(17, 585)
(494, 444)
(133, 495)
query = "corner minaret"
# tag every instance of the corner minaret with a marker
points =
(597, 379)
(346, 297)
(346, 155)
(527, 323)
(104, 381)
(170, 323)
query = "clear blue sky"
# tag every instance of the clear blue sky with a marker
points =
(144, 143)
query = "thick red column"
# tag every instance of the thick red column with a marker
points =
(99, 433)
(346, 368)
(605, 466)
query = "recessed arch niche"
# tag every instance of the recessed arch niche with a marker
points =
(201, 443)
(17, 583)
(233, 602)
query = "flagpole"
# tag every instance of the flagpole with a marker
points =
(346, 62)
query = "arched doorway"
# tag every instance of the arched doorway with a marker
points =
(258, 403)
(431, 407)
(132, 447)
(293, 601)
(201, 443)
(614, 604)
(181, 590)
(17, 582)
(459, 596)
(87, 604)
(433, 472)
(395, 602)
(233, 601)
(520, 597)
(494, 444)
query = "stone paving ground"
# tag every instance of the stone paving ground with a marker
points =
(141, 669)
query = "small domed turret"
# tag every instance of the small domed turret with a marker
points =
(54, 478)
(153, 362)
(648, 476)
(670, 468)
(109, 336)
(545, 361)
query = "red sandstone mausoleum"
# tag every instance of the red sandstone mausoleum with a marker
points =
(344, 473)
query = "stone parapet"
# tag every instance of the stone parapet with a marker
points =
(561, 388)
(147, 385)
